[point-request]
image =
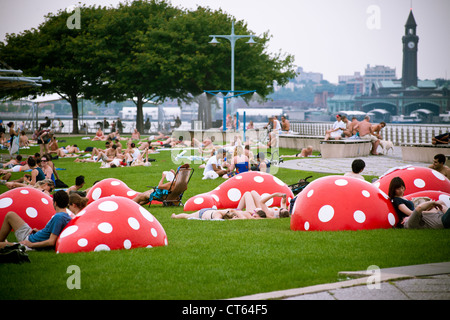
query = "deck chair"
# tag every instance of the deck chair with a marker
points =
(174, 195)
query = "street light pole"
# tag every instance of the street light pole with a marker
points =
(232, 38)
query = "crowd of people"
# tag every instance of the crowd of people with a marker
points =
(224, 161)
(344, 129)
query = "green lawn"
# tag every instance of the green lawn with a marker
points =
(211, 259)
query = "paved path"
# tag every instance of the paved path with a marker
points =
(375, 165)
(418, 282)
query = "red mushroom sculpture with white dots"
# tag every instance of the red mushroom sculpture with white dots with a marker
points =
(229, 193)
(110, 187)
(111, 223)
(33, 206)
(342, 203)
(416, 179)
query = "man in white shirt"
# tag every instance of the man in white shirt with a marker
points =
(213, 164)
(336, 131)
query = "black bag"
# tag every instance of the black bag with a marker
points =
(13, 254)
(59, 184)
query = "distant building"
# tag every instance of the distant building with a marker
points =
(314, 77)
(377, 73)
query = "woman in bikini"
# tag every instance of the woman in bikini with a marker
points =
(207, 214)
(253, 203)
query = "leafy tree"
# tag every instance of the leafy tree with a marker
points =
(52, 51)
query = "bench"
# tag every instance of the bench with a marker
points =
(345, 148)
(298, 142)
(423, 152)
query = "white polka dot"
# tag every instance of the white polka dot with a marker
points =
(310, 193)
(127, 244)
(278, 181)
(341, 182)
(215, 197)
(96, 193)
(131, 193)
(166, 243)
(82, 242)
(359, 216)
(68, 231)
(306, 226)
(326, 213)
(419, 183)
(5, 202)
(133, 223)
(391, 219)
(24, 191)
(258, 179)
(366, 193)
(238, 177)
(147, 215)
(44, 201)
(115, 183)
(199, 200)
(108, 206)
(105, 227)
(234, 194)
(410, 168)
(376, 184)
(102, 247)
(438, 175)
(31, 212)
(154, 232)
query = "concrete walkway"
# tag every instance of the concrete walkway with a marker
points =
(417, 282)
(375, 165)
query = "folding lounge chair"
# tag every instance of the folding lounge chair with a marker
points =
(177, 188)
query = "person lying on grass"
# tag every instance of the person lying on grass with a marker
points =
(33, 238)
(207, 214)
(253, 202)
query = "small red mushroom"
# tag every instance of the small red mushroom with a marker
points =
(111, 223)
(33, 206)
(228, 194)
(342, 203)
(110, 187)
(416, 179)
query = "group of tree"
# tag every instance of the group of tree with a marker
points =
(141, 51)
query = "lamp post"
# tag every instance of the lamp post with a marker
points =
(226, 96)
(232, 38)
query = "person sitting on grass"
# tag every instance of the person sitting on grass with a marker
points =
(79, 183)
(76, 204)
(439, 165)
(34, 238)
(36, 175)
(306, 152)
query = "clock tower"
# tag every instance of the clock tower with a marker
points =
(410, 40)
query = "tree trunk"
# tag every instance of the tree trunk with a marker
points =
(74, 104)
(204, 111)
(140, 114)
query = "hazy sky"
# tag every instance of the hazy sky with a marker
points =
(333, 37)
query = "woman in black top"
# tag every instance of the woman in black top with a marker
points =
(403, 206)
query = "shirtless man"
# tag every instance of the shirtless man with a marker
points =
(350, 131)
(377, 129)
(439, 165)
(366, 133)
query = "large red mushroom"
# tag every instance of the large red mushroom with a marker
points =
(33, 206)
(110, 187)
(416, 179)
(228, 194)
(342, 203)
(111, 223)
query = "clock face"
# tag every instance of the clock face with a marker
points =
(411, 44)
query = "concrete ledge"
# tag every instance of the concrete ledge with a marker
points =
(423, 152)
(298, 142)
(345, 148)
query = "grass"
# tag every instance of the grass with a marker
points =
(212, 260)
